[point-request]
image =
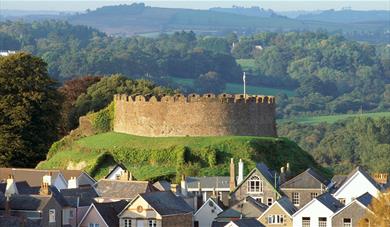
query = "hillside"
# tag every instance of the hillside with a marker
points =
(168, 157)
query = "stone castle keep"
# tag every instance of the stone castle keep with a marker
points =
(195, 115)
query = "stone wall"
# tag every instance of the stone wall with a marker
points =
(195, 115)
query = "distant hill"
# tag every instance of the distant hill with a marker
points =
(347, 16)
(140, 19)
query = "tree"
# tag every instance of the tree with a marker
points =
(379, 214)
(29, 110)
(209, 82)
(70, 91)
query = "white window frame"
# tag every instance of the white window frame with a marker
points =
(152, 223)
(93, 225)
(255, 184)
(268, 201)
(52, 215)
(306, 222)
(127, 222)
(347, 224)
(322, 223)
(313, 195)
(295, 198)
(276, 219)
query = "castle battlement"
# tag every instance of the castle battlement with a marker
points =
(195, 115)
(222, 98)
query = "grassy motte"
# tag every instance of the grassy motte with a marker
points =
(152, 158)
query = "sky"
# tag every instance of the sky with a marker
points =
(287, 5)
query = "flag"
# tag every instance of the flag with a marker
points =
(243, 77)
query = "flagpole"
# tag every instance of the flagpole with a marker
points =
(243, 79)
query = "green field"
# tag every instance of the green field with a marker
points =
(151, 158)
(233, 88)
(247, 65)
(333, 118)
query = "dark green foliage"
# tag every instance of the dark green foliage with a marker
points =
(103, 120)
(210, 82)
(29, 110)
(343, 145)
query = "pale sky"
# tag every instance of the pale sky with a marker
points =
(287, 5)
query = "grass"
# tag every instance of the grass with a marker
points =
(247, 65)
(333, 118)
(233, 88)
(152, 158)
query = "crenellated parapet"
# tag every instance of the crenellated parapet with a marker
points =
(180, 98)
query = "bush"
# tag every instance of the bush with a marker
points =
(103, 121)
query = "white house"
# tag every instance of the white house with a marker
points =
(354, 185)
(206, 214)
(116, 172)
(318, 212)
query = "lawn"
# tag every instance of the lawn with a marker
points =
(333, 118)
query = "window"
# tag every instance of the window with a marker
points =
(93, 225)
(255, 184)
(258, 199)
(270, 201)
(52, 215)
(152, 223)
(127, 222)
(342, 200)
(305, 222)
(275, 219)
(295, 198)
(71, 213)
(321, 222)
(220, 196)
(313, 195)
(347, 222)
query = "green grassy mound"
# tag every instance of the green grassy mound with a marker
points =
(151, 158)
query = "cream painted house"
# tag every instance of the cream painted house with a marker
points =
(279, 214)
(156, 209)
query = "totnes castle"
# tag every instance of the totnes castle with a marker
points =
(195, 115)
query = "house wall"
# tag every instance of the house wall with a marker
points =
(304, 195)
(52, 204)
(274, 210)
(314, 210)
(81, 211)
(353, 211)
(357, 186)
(93, 217)
(242, 191)
(182, 220)
(117, 171)
(132, 212)
(205, 216)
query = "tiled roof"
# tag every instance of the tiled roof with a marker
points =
(162, 185)
(166, 203)
(122, 189)
(18, 221)
(110, 211)
(82, 196)
(247, 222)
(365, 199)
(305, 180)
(208, 182)
(287, 205)
(330, 202)
(247, 208)
(339, 180)
(23, 188)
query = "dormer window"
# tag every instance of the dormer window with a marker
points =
(255, 185)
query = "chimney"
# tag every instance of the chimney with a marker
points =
(183, 186)
(232, 182)
(126, 176)
(240, 172)
(44, 189)
(47, 178)
(288, 171)
(10, 188)
(282, 175)
(72, 182)
(381, 178)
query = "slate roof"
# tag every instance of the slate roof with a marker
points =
(110, 211)
(208, 182)
(287, 205)
(305, 180)
(247, 222)
(23, 188)
(329, 201)
(246, 208)
(264, 171)
(339, 180)
(82, 196)
(166, 203)
(365, 199)
(17, 221)
(162, 185)
(218, 224)
(123, 189)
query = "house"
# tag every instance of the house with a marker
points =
(206, 214)
(103, 214)
(116, 172)
(317, 212)
(79, 200)
(157, 209)
(279, 214)
(260, 184)
(204, 187)
(357, 183)
(351, 214)
(115, 190)
(304, 187)
(250, 222)
(246, 208)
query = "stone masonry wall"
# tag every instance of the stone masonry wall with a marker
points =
(195, 115)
